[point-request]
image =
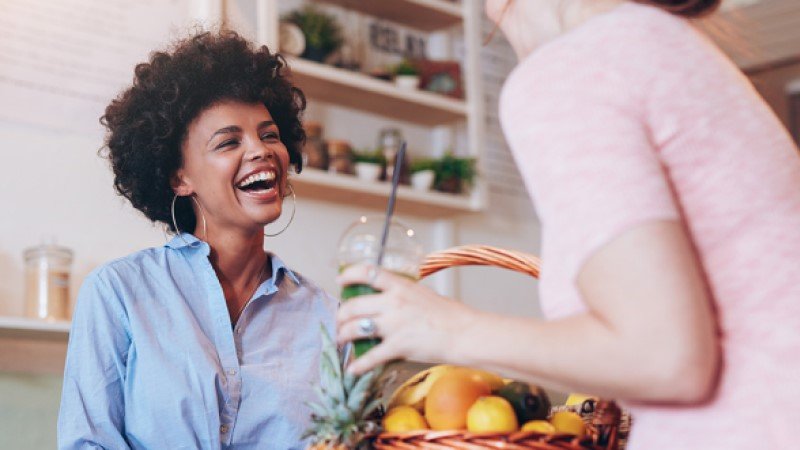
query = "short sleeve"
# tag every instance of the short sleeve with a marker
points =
(584, 150)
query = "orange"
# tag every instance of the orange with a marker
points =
(491, 414)
(402, 419)
(450, 398)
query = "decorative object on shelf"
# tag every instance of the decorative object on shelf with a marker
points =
(454, 174)
(369, 164)
(423, 174)
(292, 40)
(322, 32)
(389, 141)
(347, 60)
(340, 157)
(315, 155)
(381, 73)
(441, 77)
(406, 75)
(47, 274)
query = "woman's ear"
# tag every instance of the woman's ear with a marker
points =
(181, 185)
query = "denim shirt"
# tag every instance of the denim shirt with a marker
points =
(154, 362)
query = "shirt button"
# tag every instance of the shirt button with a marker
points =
(231, 371)
(223, 429)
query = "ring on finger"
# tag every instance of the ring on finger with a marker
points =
(367, 327)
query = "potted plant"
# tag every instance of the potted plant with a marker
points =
(406, 75)
(368, 164)
(423, 174)
(454, 174)
(322, 32)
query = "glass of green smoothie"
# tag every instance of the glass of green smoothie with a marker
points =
(360, 244)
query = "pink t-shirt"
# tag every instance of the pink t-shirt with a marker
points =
(636, 117)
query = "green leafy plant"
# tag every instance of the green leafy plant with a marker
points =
(454, 173)
(369, 156)
(322, 32)
(406, 67)
(420, 164)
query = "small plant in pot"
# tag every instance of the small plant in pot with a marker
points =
(423, 174)
(406, 75)
(322, 32)
(368, 164)
(454, 174)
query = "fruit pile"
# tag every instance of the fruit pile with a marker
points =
(458, 398)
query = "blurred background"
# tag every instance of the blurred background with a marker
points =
(375, 72)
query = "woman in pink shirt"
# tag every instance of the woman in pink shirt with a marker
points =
(669, 197)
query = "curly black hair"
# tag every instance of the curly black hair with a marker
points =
(147, 122)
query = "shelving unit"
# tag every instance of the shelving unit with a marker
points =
(355, 90)
(347, 189)
(424, 15)
(442, 114)
(32, 346)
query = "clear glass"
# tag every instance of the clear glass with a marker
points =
(360, 243)
(47, 279)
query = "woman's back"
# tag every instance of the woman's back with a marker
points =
(635, 117)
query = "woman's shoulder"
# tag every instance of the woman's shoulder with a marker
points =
(631, 46)
(129, 267)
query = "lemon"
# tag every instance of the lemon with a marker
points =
(568, 422)
(491, 414)
(541, 426)
(402, 419)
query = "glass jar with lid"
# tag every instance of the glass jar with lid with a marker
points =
(47, 279)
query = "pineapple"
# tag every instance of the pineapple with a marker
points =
(348, 406)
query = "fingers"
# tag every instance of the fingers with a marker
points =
(363, 305)
(380, 354)
(352, 330)
(368, 274)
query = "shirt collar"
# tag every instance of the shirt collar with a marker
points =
(184, 240)
(277, 266)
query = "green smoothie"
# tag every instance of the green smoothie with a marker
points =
(360, 346)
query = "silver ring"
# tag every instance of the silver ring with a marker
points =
(367, 327)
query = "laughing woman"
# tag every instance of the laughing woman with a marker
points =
(208, 342)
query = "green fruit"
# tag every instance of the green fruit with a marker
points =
(529, 402)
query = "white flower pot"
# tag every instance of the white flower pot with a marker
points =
(407, 82)
(368, 171)
(423, 180)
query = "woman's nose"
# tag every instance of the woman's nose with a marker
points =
(257, 150)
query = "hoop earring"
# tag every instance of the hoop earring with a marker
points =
(202, 216)
(291, 218)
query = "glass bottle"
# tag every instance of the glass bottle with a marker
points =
(47, 278)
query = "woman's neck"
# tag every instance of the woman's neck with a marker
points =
(240, 263)
(528, 25)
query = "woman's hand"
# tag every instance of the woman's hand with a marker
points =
(413, 321)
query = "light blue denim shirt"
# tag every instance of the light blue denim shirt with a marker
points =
(154, 363)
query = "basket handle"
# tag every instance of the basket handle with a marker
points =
(481, 255)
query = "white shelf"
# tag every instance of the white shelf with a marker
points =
(32, 346)
(425, 15)
(363, 92)
(25, 327)
(347, 189)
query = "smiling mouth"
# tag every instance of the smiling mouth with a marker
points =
(259, 183)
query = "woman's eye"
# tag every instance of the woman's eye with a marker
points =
(228, 143)
(270, 135)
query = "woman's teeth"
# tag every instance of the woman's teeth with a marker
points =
(250, 182)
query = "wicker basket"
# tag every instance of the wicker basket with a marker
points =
(600, 424)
